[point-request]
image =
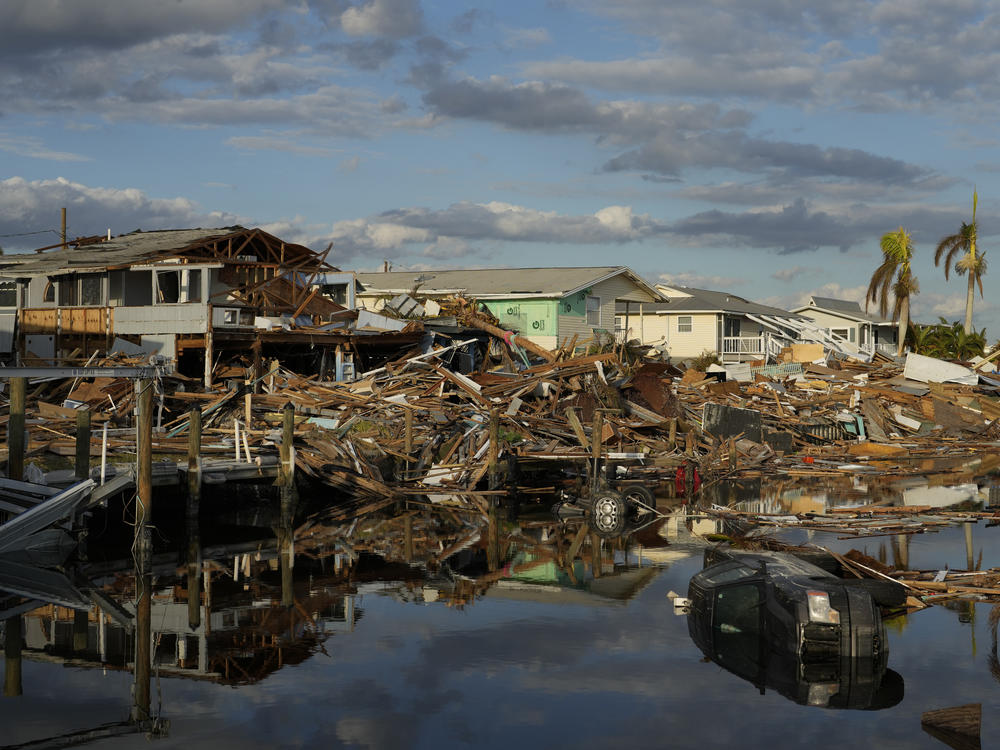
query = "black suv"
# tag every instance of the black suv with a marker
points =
(782, 622)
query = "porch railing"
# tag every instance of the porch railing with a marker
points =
(743, 345)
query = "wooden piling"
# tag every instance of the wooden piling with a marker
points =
(15, 429)
(12, 658)
(596, 437)
(733, 456)
(672, 440)
(144, 578)
(407, 438)
(82, 444)
(494, 449)
(286, 481)
(193, 519)
(408, 538)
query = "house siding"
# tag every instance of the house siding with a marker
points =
(573, 309)
(702, 337)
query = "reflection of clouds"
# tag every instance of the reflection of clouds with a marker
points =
(383, 732)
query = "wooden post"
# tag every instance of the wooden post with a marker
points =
(690, 444)
(494, 450)
(83, 444)
(62, 227)
(493, 537)
(408, 438)
(15, 429)
(969, 562)
(258, 367)
(595, 555)
(12, 658)
(144, 578)
(673, 433)
(194, 456)
(209, 352)
(286, 479)
(596, 437)
(408, 538)
(733, 455)
(193, 519)
(688, 481)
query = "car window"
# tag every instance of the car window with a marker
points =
(736, 621)
(737, 609)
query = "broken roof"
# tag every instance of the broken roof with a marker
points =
(499, 282)
(94, 254)
(844, 308)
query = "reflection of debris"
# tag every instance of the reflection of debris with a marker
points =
(957, 727)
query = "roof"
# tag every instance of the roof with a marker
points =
(708, 301)
(503, 283)
(844, 308)
(97, 254)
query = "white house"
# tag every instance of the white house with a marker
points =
(855, 329)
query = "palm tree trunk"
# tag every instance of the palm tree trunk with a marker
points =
(970, 295)
(904, 325)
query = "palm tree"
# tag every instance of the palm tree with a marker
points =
(897, 251)
(972, 262)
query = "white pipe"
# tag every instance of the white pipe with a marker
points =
(104, 452)
(236, 438)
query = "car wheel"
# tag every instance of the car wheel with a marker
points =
(883, 593)
(636, 493)
(608, 514)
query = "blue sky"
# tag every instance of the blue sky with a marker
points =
(756, 146)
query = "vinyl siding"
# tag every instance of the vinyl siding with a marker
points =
(616, 289)
(702, 337)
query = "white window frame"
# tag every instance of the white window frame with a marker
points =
(685, 327)
(593, 314)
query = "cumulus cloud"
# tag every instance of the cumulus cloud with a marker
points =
(28, 206)
(389, 18)
(449, 231)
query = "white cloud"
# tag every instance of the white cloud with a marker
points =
(390, 18)
(28, 206)
(26, 145)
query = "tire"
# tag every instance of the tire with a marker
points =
(883, 593)
(637, 494)
(608, 514)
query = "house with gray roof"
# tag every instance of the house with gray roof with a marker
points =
(548, 305)
(694, 321)
(856, 329)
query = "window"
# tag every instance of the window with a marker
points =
(839, 333)
(90, 290)
(593, 311)
(684, 324)
(168, 286)
(49, 295)
(8, 294)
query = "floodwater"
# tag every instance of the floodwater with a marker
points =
(484, 641)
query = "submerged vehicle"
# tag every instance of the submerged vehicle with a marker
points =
(783, 622)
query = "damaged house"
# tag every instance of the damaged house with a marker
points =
(194, 296)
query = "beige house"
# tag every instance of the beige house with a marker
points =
(694, 321)
(548, 305)
(856, 330)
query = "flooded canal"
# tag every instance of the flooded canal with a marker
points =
(438, 629)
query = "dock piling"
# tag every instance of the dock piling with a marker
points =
(15, 429)
(82, 468)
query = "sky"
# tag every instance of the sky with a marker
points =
(760, 147)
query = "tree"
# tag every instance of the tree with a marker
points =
(963, 243)
(897, 251)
